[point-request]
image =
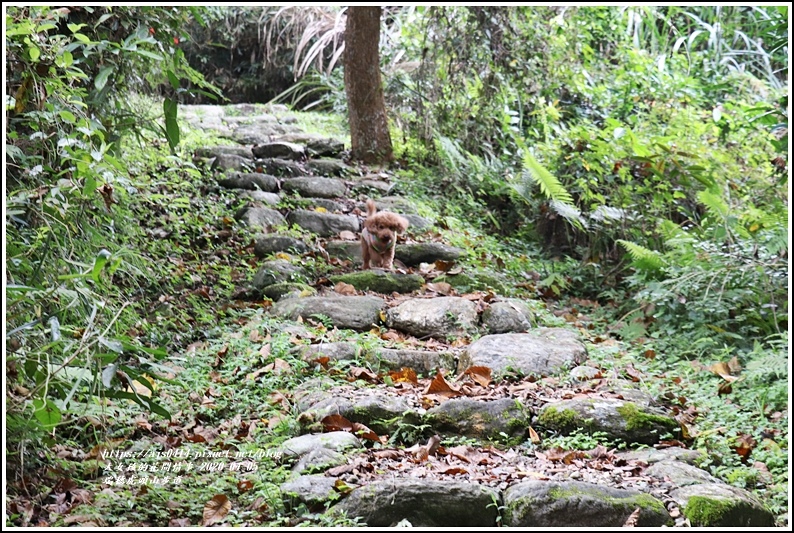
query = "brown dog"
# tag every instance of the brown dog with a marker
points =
(379, 236)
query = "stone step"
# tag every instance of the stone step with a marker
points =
(324, 224)
(250, 181)
(381, 281)
(344, 312)
(283, 150)
(316, 187)
(410, 254)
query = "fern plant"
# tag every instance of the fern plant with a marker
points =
(642, 258)
(559, 198)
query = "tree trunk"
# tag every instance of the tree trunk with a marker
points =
(369, 128)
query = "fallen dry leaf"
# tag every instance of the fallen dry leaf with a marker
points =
(216, 509)
(440, 288)
(533, 436)
(631, 521)
(358, 372)
(404, 375)
(344, 289)
(480, 374)
(346, 235)
(336, 423)
(440, 387)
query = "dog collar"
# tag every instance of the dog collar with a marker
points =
(371, 241)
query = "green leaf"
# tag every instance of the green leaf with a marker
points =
(82, 38)
(102, 78)
(46, 412)
(172, 79)
(67, 116)
(150, 55)
(90, 185)
(171, 125)
(99, 262)
(34, 53)
(46, 26)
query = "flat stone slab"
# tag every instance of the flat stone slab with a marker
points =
(334, 440)
(396, 204)
(489, 419)
(258, 133)
(413, 254)
(327, 204)
(314, 491)
(327, 167)
(652, 455)
(680, 473)
(376, 408)
(368, 185)
(346, 250)
(269, 198)
(231, 162)
(323, 224)
(283, 291)
(618, 419)
(316, 187)
(282, 167)
(277, 271)
(215, 151)
(418, 360)
(283, 150)
(475, 281)
(417, 222)
(508, 316)
(325, 147)
(344, 312)
(380, 358)
(423, 503)
(381, 281)
(251, 181)
(260, 217)
(434, 317)
(541, 351)
(577, 504)
(721, 505)
(271, 244)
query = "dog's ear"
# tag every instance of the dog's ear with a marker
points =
(403, 223)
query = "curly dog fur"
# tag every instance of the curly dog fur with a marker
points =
(379, 236)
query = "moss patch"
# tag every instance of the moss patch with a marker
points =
(280, 290)
(380, 281)
(703, 511)
(636, 419)
(563, 419)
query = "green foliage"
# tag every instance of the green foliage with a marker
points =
(643, 258)
(69, 267)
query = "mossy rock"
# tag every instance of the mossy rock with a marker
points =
(381, 281)
(719, 505)
(282, 291)
(474, 282)
(627, 421)
(578, 504)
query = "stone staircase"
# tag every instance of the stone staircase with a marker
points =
(473, 485)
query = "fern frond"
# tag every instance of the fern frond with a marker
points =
(642, 258)
(549, 185)
(569, 213)
(714, 203)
